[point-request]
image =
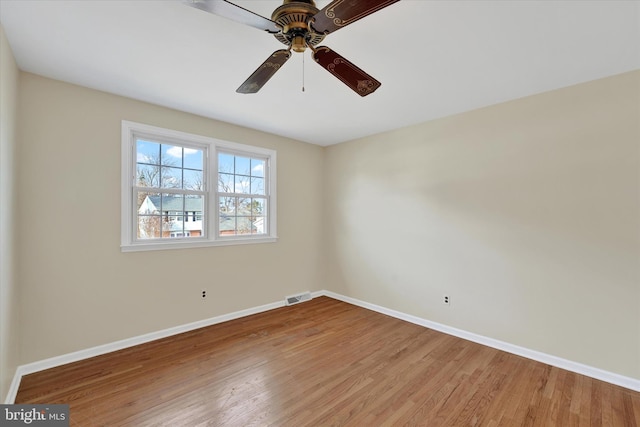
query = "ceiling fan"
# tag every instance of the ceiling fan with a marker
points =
(299, 24)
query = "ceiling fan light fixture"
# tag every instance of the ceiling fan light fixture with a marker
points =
(298, 44)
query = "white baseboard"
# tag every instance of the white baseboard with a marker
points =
(52, 362)
(589, 371)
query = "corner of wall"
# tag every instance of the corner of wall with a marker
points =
(9, 78)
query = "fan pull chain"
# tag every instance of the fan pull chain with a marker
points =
(303, 71)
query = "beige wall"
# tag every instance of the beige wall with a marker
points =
(79, 290)
(526, 213)
(9, 76)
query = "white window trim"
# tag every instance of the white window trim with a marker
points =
(127, 241)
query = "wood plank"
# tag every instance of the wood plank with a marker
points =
(324, 362)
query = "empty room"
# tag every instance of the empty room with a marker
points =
(320, 213)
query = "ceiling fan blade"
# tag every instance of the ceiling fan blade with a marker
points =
(359, 81)
(340, 13)
(262, 75)
(226, 9)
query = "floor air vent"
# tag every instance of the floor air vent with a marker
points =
(296, 299)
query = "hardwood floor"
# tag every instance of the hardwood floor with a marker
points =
(324, 363)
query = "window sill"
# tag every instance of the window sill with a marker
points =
(184, 244)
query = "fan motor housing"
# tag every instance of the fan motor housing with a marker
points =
(294, 16)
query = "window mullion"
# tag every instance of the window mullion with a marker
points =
(170, 191)
(242, 195)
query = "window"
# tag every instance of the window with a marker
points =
(242, 199)
(169, 178)
(181, 190)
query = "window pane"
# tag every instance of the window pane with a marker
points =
(171, 177)
(258, 207)
(244, 225)
(194, 205)
(259, 225)
(193, 159)
(147, 175)
(193, 180)
(225, 163)
(147, 152)
(171, 155)
(227, 205)
(243, 165)
(257, 167)
(257, 186)
(172, 204)
(149, 226)
(244, 206)
(225, 183)
(175, 228)
(148, 203)
(148, 215)
(147, 155)
(227, 225)
(242, 184)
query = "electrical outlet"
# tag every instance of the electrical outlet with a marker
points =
(204, 293)
(446, 300)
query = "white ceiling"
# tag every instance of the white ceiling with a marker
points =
(434, 58)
